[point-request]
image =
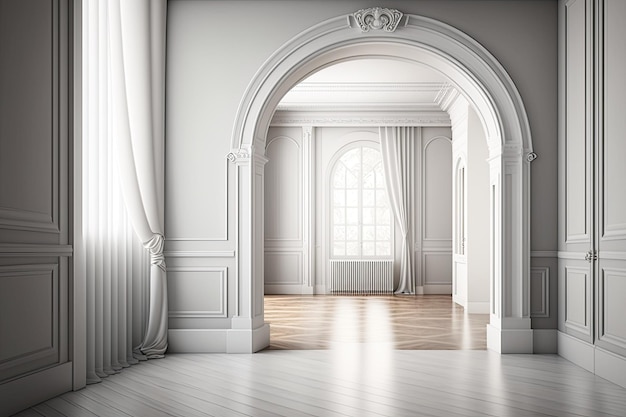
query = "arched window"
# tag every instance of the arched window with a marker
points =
(361, 225)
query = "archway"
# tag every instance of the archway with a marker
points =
(477, 75)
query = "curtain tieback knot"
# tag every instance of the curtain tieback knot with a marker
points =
(155, 246)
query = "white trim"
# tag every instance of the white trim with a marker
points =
(593, 358)
(326, 115)
(199, 254)
(477, 307)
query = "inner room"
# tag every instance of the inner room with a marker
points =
(343, 263)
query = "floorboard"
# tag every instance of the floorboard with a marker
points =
(431, 322)
(353, 379)
(363, 356)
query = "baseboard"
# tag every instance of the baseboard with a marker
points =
(509, 340)
(287, 289)
(462, 301)
(197, 340)
(32, 389)
(594, 359)
(545, 341)
(445, 289)
(218, 340)
(477, 307)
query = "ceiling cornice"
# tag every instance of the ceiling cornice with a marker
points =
(360, 118)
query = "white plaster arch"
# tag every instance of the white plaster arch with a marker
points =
(481, 80)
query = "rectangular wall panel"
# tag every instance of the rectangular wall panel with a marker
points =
(29, 314)
(437, 268)
(577, 155)
(612, 322)
(197, 292)
(614, 126)
(283, 267)
(437, 190)
(577, 299)
(539, 292)
(29, 119)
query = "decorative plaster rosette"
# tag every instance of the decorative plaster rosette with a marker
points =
(378, 18)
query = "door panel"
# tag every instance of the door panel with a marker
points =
(611, 172)
(576, 171)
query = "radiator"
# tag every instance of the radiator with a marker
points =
(361, 277)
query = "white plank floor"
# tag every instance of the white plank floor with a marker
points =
(353, 380)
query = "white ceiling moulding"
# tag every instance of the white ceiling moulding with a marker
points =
(368, 87)
(355, 118)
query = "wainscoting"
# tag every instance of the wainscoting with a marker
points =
(423, 322)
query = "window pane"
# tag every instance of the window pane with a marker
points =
(339, 180)
(352, 233)
(352, 249)
(339, 215)
(339, 198)
(383, 216)
(371, 157)
(381, 198)
(383, 233)
(339, 233)
(369, 180)
(352, 198)
(352, 180)
(369, 232)
(369, 198)
(369, 216)
(352, 216)
(369, 249)
(339, 249)
(380, 176)
(383, 248)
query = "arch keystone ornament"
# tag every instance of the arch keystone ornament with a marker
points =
(475, 73)
(378, 18)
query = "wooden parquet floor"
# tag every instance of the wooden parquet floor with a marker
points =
(423, 322)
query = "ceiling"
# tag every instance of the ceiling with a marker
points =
(369, 84)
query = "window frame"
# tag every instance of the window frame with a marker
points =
(334, 164)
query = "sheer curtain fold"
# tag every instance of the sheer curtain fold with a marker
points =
(137, 33)
(397, 148)
(124, 66)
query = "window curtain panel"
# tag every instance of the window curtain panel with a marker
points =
(123, 184)
(137, 45)
(397, 148)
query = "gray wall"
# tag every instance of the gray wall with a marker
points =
(214, 50)
(35, 202)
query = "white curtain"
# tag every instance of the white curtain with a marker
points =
(123, 154)
(397, 148)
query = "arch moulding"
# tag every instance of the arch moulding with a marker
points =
(479, 77)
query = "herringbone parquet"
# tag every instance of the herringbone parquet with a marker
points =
(423, 322)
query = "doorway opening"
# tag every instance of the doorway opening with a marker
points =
(485, 85)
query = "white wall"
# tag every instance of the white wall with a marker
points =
(471, 258)
(433, 214)
(209, 67)
(285, 179)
